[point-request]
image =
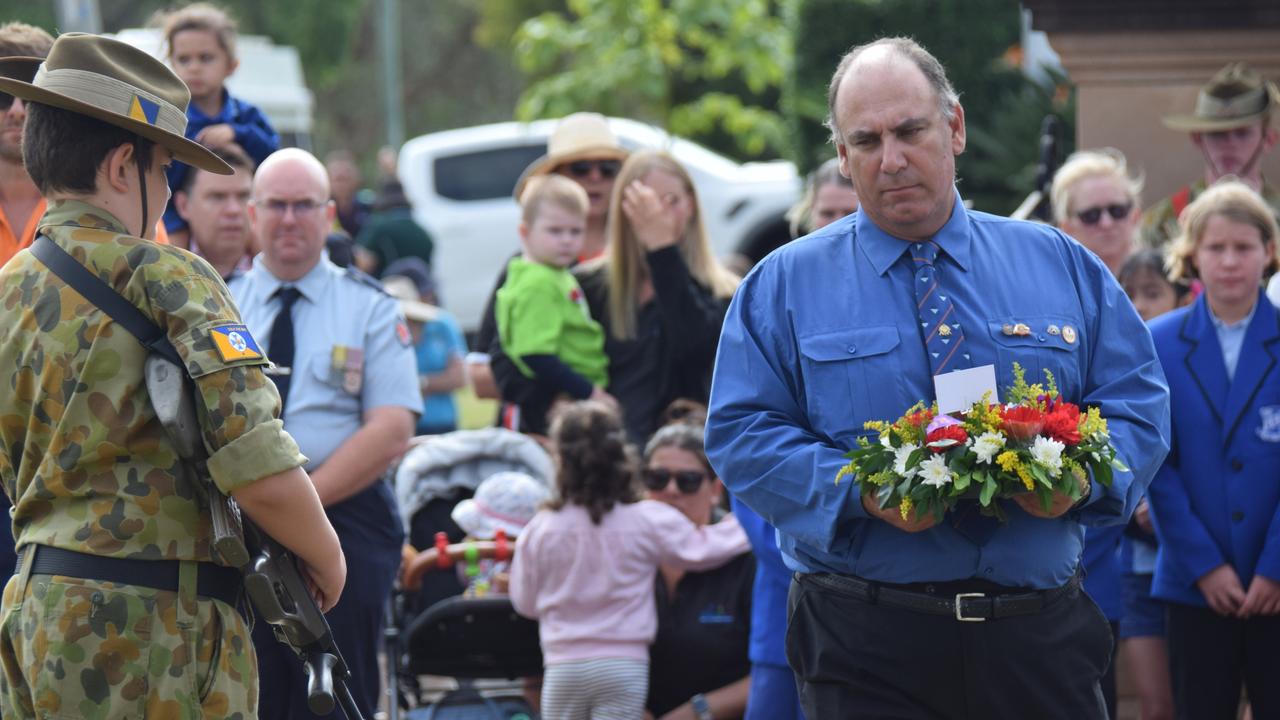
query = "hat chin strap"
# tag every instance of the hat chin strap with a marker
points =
(1249, 165)
(142, 185)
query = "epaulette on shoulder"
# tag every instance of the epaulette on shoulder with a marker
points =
(360, 276)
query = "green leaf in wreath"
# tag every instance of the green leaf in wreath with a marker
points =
(988, 490)
(960, 482)
(1102, 474)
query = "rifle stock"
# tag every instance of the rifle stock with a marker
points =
(272, 580)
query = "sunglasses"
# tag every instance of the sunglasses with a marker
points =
(582, 168)
(687, 481)
(6, 101)
(1091, 216)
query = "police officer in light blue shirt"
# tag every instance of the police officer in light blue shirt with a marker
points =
(348, 381)
(916, 618)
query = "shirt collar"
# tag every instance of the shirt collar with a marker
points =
(82, 214)
(227, 109)
(883, 249)
(309, 285)
(1222, 325)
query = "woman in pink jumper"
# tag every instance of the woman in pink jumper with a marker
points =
(584, 569)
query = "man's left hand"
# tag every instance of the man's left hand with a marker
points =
(1263, 598)
(216, 136)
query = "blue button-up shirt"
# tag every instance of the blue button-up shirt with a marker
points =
(1231, 338)
(823, 335)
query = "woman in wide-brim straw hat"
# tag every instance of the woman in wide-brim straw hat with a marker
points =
(116, 570)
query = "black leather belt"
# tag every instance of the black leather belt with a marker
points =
(214, 582)
(963, 606)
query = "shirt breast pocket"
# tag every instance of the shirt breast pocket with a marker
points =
(340, 385)
(850, 376)
(1037, 344)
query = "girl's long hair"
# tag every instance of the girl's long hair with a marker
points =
(595, 468)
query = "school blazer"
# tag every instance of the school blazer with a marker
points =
(1216, 499)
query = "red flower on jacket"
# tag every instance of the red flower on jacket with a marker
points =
(1021, 422)
(950, 432)
(1062, 423)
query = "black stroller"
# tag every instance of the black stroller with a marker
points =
(437, 631)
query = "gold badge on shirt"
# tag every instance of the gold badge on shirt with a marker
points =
(347, 368)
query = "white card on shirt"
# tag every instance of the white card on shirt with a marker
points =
(960, 389)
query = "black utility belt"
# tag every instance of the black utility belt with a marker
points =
(963, 606)
(213, 582)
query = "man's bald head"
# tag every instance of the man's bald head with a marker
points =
(887, 51)
(291, 212)
(296, 162)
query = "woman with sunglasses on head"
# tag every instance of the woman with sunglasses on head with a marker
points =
(659, 292)
(698, 663)
(1095, 201)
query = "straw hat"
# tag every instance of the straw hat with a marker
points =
(580, 136)
(1236, 96)
(505, 500)
(406, 291)
(118, 84)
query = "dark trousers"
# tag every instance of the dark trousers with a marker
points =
(1210, 656)
(356, 622)
(858, 660)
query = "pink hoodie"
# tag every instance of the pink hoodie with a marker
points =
(590, 587)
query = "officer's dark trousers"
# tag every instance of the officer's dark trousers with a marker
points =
(853, 659)
(1211, 655)
(356, 622)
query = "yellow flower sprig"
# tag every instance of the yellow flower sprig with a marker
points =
(1092, 423)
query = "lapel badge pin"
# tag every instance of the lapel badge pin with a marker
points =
(1069, 334)
(1021, 330)
(1007, 329)
(1053, 330)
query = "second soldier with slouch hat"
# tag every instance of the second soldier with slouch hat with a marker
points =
(118, 609)
(1231, 127)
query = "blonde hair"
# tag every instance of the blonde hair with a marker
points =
(552, 190)
(627, 266)
(800, 215)
(205, 17)
(1233, 200)
(1085, 164)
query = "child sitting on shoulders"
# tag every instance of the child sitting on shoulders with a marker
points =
(544, 324)
(585, 568)
(201, 41)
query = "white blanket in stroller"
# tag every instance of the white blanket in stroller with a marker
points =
(440, 465)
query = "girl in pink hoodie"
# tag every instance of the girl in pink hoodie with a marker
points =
(584, 569)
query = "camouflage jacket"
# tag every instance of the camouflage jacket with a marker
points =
(82, 455)
(1160, 221)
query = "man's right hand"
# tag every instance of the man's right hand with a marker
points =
(1222, 589)
(913, 524)
(326, 580)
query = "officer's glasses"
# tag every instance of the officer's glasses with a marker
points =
(1093, 215)
(687, 481)
(300, 208)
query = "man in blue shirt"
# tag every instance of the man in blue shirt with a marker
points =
(825, 334)
(348, 385)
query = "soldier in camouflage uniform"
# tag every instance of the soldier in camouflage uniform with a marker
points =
(137, 620)
(1231, 126)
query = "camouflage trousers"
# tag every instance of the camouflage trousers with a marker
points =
(73, 648)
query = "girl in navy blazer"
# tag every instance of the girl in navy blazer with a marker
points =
(1216, 500)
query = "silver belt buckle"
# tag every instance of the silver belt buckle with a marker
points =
(960, 599)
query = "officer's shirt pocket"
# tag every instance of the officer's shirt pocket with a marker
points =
(1037, 344)
(343, 380)
(849, 377)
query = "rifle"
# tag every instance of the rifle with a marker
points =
(271, 577)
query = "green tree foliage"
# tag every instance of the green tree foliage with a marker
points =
(707, 69)
(975, 40)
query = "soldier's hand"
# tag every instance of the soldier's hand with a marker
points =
(326, 580)
(913, 524)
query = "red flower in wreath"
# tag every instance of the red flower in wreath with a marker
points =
(1063, 423)
(949, 432)
(1022, 422)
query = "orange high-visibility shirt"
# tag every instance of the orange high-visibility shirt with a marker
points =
(11, 243)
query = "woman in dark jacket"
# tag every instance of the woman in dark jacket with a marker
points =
(659, 292)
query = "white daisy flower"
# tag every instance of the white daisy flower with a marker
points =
(900, 460)
(987, 445)
(1048, 453)
(935, 472)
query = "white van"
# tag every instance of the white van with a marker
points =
(460, 183)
